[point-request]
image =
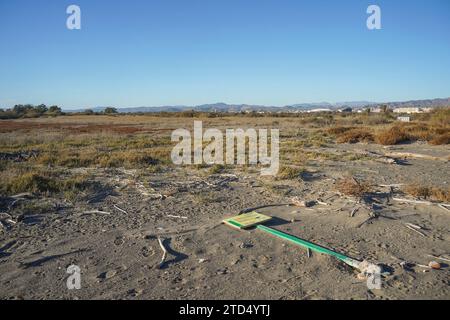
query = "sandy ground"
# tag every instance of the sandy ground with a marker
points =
(119, 254)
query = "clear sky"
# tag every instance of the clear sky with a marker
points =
(188, 52)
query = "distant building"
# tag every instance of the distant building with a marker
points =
(320, 110)
(410, 110)
(404, 119)
(348, 109)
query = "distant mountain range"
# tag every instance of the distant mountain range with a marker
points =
(223, 107)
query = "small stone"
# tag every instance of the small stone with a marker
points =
(222, 271)
(108, 274)
(244, 245)
(434, 265)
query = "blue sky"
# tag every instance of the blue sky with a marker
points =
(189, 52)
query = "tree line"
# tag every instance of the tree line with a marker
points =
(21, 111)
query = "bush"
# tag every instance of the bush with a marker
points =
(352, 187)
(427, 192)
(392, 136)
(355, 136)
(289, 173)
(38, 181)
(441, 139)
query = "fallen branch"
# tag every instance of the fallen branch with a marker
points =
(352, 214)
(97, 211)
(366, 221)
(22, 195)
(121, 210)
(415, 226)
(395, 185)
(415, 230)
(414, 156)
(440, 258)
(176, 217)
(427, 203)
(163, 260)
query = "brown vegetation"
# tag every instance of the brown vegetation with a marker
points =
(355, 136)
(352, 187)
(427, 192)
(392, 136)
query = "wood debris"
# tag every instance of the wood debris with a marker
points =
(120, 209)
(415, 230)
(176, 217)
(163, 259)
(97, 212)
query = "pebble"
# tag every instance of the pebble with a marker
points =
(434, 265)
(108, 274)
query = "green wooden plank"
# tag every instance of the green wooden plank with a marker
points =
(307, 244)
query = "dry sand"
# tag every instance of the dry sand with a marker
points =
(119, 254)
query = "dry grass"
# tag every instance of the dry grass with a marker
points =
(441, 139)
(41, 181)
(339, 130)
(355, 136)
(436, 135)
(289, 173)
(392, 136)
(427, 192)
(352, 187)
(433, 128)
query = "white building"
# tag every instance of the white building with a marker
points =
(404, 119)
(410, 110)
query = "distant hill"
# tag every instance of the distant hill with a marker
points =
(430, 103)
(224, 107)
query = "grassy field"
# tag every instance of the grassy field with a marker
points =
(39, 155)
(98, 191)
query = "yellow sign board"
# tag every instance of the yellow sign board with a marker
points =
(247, 220)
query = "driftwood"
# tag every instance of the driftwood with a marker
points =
(352, 214)
(176, 217)
(406, 155)
(415, 230)
(440, 258)
(428, 203)
(121, 210)
(377, 157)
(394, 185)
(97, 212)
(163, 259)
(415, 226)
(22, 195)
(6, 220)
